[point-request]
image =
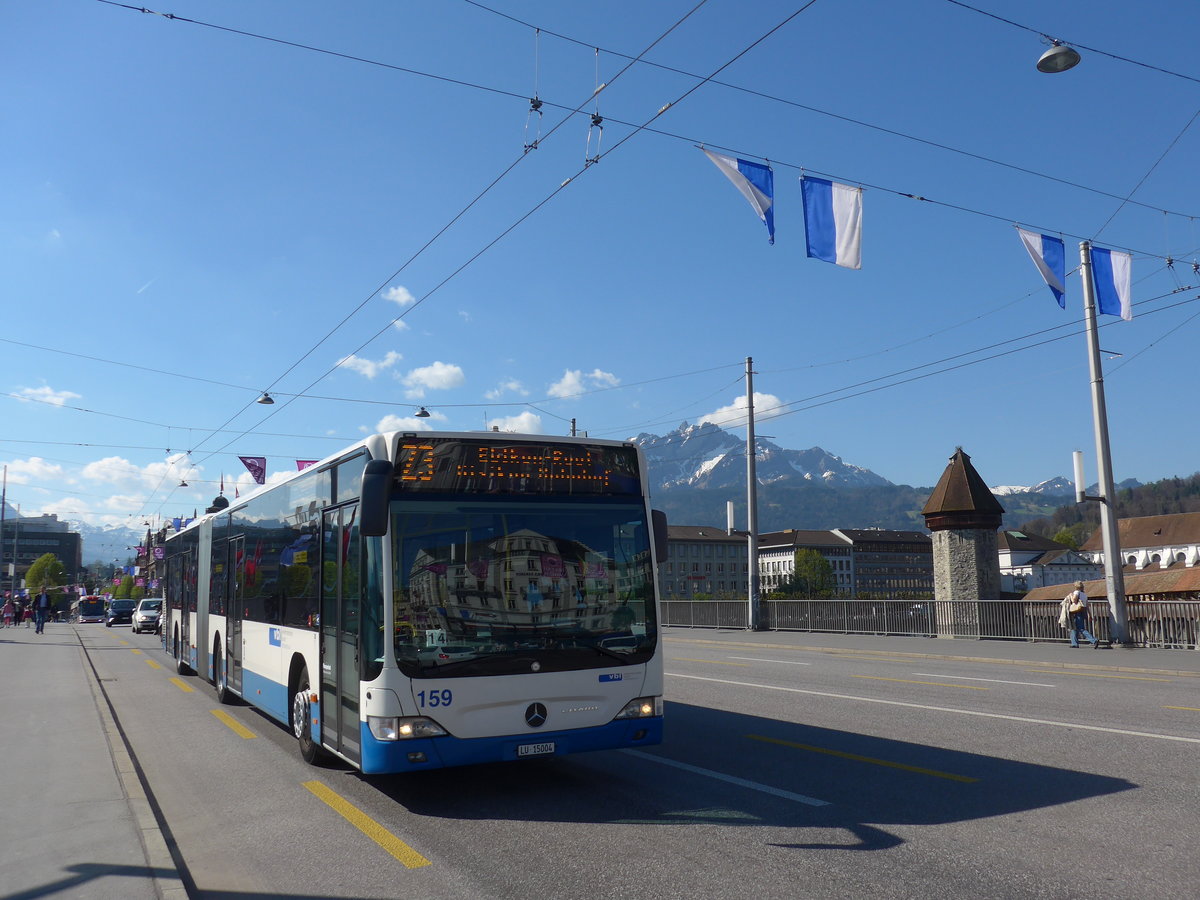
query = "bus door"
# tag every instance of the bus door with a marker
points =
(234, 609)
(341, 599)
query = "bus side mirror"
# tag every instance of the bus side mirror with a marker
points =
(658, 522)
(375, 497)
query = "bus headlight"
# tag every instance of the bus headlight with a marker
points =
(400, 728)
(641, 708)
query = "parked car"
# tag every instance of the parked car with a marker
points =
(120, 612)
(148, 615)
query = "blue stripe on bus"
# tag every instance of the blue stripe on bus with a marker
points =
(269, 696)
(379, 757)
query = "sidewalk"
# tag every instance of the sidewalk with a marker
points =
(1020, 653)
(76, 821)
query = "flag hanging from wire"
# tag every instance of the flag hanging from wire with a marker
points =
(302, 464)
(1049, 255)
(1112, 274)
(832, 221)
(756, 183)
(256, 466)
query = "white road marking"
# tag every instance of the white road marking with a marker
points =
(786, 662)
(995, 680)
(963, 712)
(729, 779)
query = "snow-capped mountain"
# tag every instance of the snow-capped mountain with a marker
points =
(108, 542)
(706, 456)
(1059, 488)
(1053, 487)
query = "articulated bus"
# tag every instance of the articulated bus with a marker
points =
(435, 599)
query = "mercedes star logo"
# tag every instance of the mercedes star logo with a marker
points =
(535, 715)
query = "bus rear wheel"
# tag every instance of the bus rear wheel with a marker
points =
(310, 751)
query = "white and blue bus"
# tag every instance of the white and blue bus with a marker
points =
(426, 600)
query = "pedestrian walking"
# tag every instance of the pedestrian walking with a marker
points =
(9, 608)
(1073, 614)
(28, 615)
(41, 609)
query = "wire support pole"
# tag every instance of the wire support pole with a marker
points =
(753, 599)
(1114, 577)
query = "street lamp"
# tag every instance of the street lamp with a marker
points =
(1058, 58)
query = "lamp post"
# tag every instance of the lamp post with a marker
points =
(1114, 577)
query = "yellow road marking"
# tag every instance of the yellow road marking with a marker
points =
(965, 687)
(182, 685)
(238, 728)
(713, 661)
(125, 643)
(867, 759)
(1190, 708)
(152, 664)
(135, 650)
(872, 658)
(1095, 675)
(368, 826)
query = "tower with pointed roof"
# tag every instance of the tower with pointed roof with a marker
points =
(963, 516)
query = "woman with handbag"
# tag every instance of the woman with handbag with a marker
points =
(1073, 615)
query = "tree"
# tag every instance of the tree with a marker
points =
(125, 589)
(46, 570)
(812, 575)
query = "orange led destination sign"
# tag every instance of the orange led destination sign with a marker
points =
(468, 466)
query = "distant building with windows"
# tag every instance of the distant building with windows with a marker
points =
(1029, 561)
(1150, 543)
(24, 540)
(777, 557)
(890, 563)
(704, 560)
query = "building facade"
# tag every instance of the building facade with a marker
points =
(1029, 561)
(26, 539)
(777, 558)
(890, 564)
(704, 561)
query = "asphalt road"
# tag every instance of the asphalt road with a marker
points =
(786, 772)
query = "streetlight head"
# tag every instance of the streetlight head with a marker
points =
(182, 483)
(422, 413)
(1058, 58)
(266, 400)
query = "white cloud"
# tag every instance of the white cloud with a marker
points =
(24, 471)
(369, 367)
(401, 325)
(734, 415)
(406, 423)
(575, 382)
(465, 316)
(121, 473)
(46, 394)
(438, 376)
(525, 423)
(510, 384)
(399, 295)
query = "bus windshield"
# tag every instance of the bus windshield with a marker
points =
(511, 586)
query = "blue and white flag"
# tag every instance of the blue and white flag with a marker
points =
(1111, 272)
(832, 221)
(755, 181)
(1049, 255)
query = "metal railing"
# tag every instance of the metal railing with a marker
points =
(1166, 624)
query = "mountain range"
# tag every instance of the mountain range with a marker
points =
(695, 469)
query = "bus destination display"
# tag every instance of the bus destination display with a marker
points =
(482, 467)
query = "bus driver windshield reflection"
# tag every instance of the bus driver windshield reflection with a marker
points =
(478, 592)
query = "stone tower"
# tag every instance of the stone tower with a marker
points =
(963, 515)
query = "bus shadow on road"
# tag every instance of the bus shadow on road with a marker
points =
(732, 769)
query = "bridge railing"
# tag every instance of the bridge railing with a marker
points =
(1154, 623)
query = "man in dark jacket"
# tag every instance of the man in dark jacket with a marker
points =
(41, 609)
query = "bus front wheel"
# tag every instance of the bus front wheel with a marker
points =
(310, 752)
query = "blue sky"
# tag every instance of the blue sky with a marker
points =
(192, 216)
